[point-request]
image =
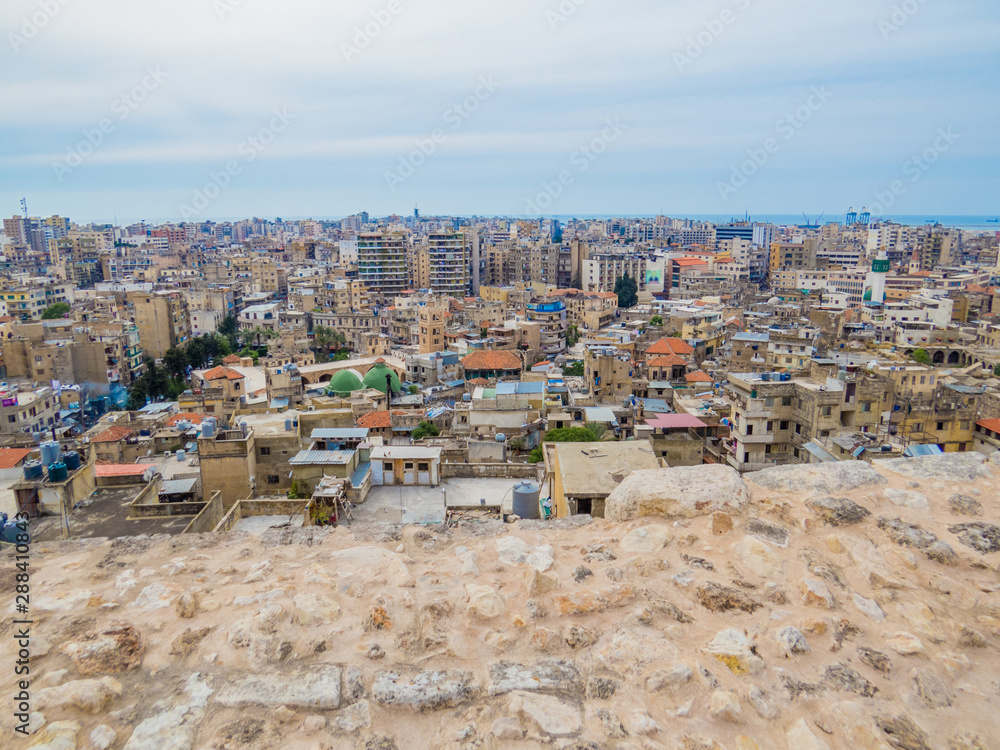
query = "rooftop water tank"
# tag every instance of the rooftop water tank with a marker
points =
(72, 460)
(526, 500)
(58, 472)
(180, 455)
(288, 425)
(208, 428)
(33, 470)
(500, 437)
(50, 452)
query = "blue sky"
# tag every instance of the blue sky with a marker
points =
(229, 108)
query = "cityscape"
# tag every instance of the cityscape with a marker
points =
(535, 376)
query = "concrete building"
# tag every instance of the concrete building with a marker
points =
(162, 319)
(228, 465)
(382, 262)
(430, 318)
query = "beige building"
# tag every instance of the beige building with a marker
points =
(431, 322)
(162, 320)
(228, 463)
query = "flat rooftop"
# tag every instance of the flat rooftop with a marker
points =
(588, 469)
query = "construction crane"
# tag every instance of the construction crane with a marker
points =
(808, 224)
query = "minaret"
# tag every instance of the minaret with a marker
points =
(880, 267)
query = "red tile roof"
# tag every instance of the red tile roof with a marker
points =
(989, 424)
(698, 377)
(113, 434)
(375, 419)
(189, 416)
(487, 359)
(121, 470)
(669, 345)
(220, 372)
(11, 457)
(232, 359)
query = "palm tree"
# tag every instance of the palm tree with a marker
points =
(260, 331)
(324, 337)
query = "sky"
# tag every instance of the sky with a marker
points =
(223, 109)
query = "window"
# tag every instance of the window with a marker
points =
(826, 411)
(423, 466)
(940, 426)
(933, 378)
(798, 429)
(964, 424)
(12, 418)
(767, 448)
(918, 427)
(273, 479)
(749, 429)
(265, 451)
(786, 401)
(866, 406)
(387, 467)
(408, 466)
(923, 378)
(769, 401)
(770, 426)
(783, 425)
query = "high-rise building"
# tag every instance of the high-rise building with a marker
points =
(430, 320)
(382, 262)
(449, 261)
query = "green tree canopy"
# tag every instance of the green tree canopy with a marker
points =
(627, 290)
(56, 311)
(656, 321)
(425, 429)
(176, 361)
(574, 369)
(921, 357)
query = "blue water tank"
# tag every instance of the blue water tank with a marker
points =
(50, 452)
(58, 472)
(72, 460)
(526, 500)
(33, 470)
(500, 437)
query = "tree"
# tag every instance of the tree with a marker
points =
(425, 429)
(627, 290)
(996, 371)
(56, 311)
(574, 369)
(597, 430)
(414, 389)
(572, 335)
(536, 456)
(259, 332)
(921, 357)
(176, 360)
(570, 435)
(324, 337)
(656, 321)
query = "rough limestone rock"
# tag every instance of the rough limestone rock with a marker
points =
(314, 609)
(931, 690)
(963, 505)
(484, 602)
(554, 717)
(59, 735)
(645, 540)
(90, 696)
(685, 491)
(547, 675)
(980, 536)
(792, 641)
(118, 649)
(838, 511)
(725, 706)
(733, 648)
(907, 498)
(950, 467)
(102, 737)
(424, 691)
(313, 687)
(800, 737)
(173, 728)
(514, 551)
(840, 476)
(669, 679)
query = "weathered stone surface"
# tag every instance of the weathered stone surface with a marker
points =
(843, 678)
(59, 735)
(792, 641)
(553, 716)
(767, 532)
(725, 706)
(316, 686)
(931, 690)
(588, 601)
(669, 679)
(601, 688)
(685, 491)
(545, 675)
(941, 552)
(424, 691)
(978, 535)
(963, 505)
(762, 704)
(869, 607)
(484, 602)
(91, 696)
(759, 558)
(907, 498)
(903, 733)
(734, 649)
(801, 737)
(314, 609)
(906, 534)
(187, 605)
(817, 594)
(904, 644)
(102, 737)
(954, 467)
(506, 728)
(719, 598)
(838, 511)
(173, 728)
(827, 478)
(514, 551)
(875, 659)
(722, 522)
(118, 649)
(353, 718)
(646, 540)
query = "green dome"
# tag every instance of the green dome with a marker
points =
(344, 382)
(377, 375)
